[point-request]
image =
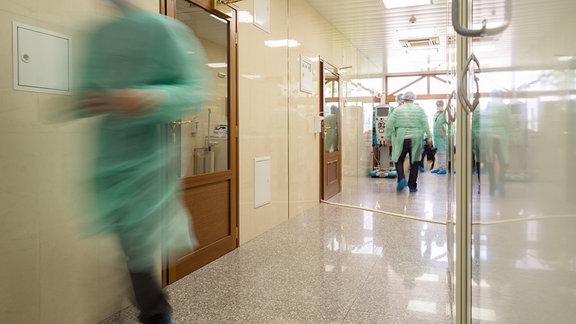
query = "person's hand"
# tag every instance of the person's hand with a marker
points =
(94, 102)
(429, 142)
(388, 142)
(135, 101)
(126, 101)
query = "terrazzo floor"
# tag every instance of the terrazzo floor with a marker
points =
(354, 259)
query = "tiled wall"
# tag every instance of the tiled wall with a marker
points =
(276, 118)
(49, 274)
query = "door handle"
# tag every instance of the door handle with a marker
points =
(326, 131)
(462, 95)
(484, 31)
(180, 122)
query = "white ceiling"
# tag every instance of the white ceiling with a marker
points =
(372, 28)
(540, 31)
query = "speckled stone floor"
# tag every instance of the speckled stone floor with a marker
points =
(337, 263)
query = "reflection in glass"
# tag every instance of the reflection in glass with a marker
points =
(523, 137)
(331, 114)
(204, 136)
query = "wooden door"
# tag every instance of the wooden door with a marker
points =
(207, 143)
(330, 146)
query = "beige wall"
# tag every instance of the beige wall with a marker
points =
(276, 117)
(49, 273)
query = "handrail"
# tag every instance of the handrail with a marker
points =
(484, 31)
(462, 95)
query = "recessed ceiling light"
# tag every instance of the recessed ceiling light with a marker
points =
(405, 3)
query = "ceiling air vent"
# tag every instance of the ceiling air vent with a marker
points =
(420, 42)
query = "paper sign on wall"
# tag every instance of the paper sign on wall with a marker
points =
(262, 14)
(305, 75)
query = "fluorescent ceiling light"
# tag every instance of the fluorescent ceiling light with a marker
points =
(405, 3)
(282, 43)
(217, 65)
(416, 32)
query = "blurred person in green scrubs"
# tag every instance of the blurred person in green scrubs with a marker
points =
(405, 130)
(141, 70)
(495, 129)
(439, 136)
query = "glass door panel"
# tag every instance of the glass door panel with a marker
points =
(204, 133)
(331, 114)
(331, 149)
(208, 164)
(523, 138)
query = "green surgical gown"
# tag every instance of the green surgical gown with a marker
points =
(135, 196)
(408, 120)
(439, 130)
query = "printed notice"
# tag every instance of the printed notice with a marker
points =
(305, 75)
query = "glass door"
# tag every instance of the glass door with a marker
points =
(207, 142)
(331, 155)
(518, 220)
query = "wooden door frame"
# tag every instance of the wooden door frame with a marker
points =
(322, 66)
(168, 8)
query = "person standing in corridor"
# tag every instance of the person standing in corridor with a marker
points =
(440, 128)
(407, 125)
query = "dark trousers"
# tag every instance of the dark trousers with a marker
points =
(413, 177)
(150, 299)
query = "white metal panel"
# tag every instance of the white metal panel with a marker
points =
(41, 60)
(261, 181)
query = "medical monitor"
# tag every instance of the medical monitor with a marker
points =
(382, 111)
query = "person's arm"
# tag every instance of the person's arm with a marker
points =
(390, 128)
(424, 121)
(183, 57)
(176, 72)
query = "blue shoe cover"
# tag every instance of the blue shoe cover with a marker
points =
(413, 189)
(441, 172)
(434, 171)
(421, 169)
(401, 185)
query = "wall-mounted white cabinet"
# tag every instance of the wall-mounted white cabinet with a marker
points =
(41, 60)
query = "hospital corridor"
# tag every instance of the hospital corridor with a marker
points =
(338, 263)
(287, 161)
